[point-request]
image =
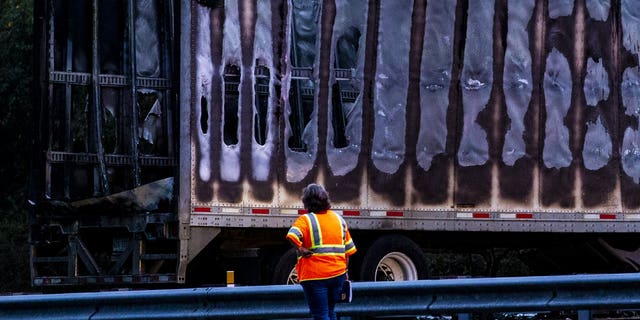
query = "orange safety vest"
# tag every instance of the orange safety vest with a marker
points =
(327, 236)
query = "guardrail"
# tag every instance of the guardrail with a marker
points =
(425, 297)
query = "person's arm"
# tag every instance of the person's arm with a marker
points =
(294, 236)
(302, 251)
(347, 273)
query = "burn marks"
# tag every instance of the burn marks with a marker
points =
(479, 104)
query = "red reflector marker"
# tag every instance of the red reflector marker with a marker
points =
(201, 209)
(524, 216)
(303, 211)
(608, 216)
(259, 211)
(481, 215)
(395, 213)
(350, 213)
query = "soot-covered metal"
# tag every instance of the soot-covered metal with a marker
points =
(419, 104)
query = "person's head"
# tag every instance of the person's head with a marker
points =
(315, 198)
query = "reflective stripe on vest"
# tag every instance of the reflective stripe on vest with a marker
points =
(317, 245)
(296, 232)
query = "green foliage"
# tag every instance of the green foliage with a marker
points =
(497, 262)
(16, 30)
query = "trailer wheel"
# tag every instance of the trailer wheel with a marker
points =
(285, 271)
(394, 258)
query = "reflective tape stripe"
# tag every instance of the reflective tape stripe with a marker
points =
(316, 235)
(296, 232)
(516, 216)
(260, 211)
(600, 216)
(328, 249)
(384, 213)
(349, 246)
(377, 213)
(343, 226)
(474, 215)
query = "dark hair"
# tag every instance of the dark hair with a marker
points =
(315, 198)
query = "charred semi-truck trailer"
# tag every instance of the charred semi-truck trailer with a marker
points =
(175, 137)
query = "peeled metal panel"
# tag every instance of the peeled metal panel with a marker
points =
(558, 113)
(347, 101)
(473, 169)
(391, 81)
(517, 79)
(263, 161)
(629, 113)
(231, 71)
(301, 104)
(231, 59)
(516, 168)
(388, 145)
(207, 91)
(599, 173)
(347, 53)
(431, 175)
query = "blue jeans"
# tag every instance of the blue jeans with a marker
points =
(322, 295)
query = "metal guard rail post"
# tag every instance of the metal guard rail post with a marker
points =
(575, 292)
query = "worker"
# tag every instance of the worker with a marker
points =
(323, 245)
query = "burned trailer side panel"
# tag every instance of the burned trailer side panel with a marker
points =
(103, 209)
(511, 113)
(431, 121)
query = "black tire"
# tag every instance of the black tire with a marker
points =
(394, 258)
(284, 272)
